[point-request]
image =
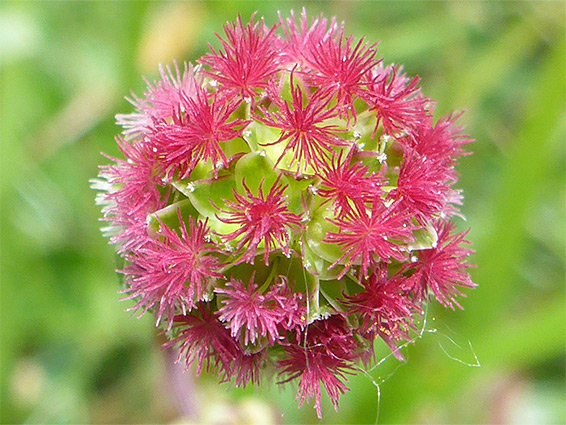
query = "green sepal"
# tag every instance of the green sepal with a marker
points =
(317, 230)
(332, 291)
(169, 215)
(318, 266)
(258, 134)
(425, 238)
(254, 168)
(296, 190)
(202, 171)
(208, 195)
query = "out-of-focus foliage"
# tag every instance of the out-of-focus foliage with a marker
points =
(69, 352)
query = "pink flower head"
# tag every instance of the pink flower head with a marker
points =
(246, 311)
(367, 238)
(325, 358)
(340, 67)
(290, 142)
(423, 186)
(441, 269)
(303, 127)
(133, 190)
(203, 339)
(172, 272)
(383, 309)
(396, 100)
(199, 127)
(292, 305)
(262, 218)
(348, 185)
(246, 367)
(248, 61)
(302, 37)
(160, 101)
(442, 142)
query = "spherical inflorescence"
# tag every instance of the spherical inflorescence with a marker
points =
(285, 203)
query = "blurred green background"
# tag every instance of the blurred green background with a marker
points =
(69, 352)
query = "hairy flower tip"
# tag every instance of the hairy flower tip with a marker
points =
(246, 367)
(292, 304)
(340, 67)
(383, 309)
(173, 271)
(248, 187)
(368, 237)
(199, 126)
(248, 312)
(325, 357)
(131, 190)
(441, 269)
(262, 218)
(442, 142)
(300, 38)
(135, 181)
(397, 101)
(204, 340)
(423, 187)
(349, 185)
(248, 60)
(160, 100)
(304, 127)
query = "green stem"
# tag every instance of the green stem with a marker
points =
(313, 296)
(270, 277)
(335, 304)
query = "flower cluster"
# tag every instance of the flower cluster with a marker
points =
(286, 203)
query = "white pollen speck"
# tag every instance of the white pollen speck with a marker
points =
(246, 133)
(262, 152)
(385, 238)
(213, 83)
(382, 157)
(154, 149)
(190, 187)
(247, 99)
(414, 259)
(357, 135)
